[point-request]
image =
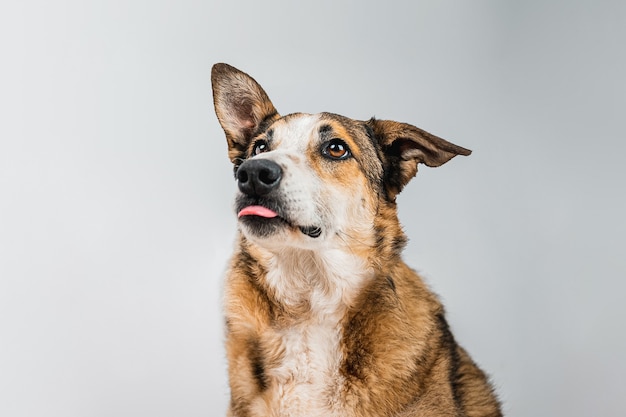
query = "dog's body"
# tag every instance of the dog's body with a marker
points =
(323, 318)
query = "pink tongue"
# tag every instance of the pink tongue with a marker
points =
(257, 211)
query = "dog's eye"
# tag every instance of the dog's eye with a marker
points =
(336, 149)
(260, 146)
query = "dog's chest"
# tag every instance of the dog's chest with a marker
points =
(303, 377)
(305, 381)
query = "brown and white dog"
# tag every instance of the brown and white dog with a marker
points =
(323, 317)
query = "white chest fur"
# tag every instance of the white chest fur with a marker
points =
(306, 381)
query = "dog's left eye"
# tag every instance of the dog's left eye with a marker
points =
(336, 149)
(260, 146)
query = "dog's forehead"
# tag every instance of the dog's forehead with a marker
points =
(294, 130)
(298, 130)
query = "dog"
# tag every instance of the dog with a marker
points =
(322, 316)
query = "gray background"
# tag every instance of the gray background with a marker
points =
(115, 188)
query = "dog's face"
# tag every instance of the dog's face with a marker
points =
(310, 180)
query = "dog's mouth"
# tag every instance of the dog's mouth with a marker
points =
(264, 220)
(256, 210)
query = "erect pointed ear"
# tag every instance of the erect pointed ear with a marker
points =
(404, 146)
(241, 105)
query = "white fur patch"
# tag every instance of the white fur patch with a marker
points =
(298, 188)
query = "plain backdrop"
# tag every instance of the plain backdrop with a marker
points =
(116, 192)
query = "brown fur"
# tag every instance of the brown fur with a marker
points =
(397, 354)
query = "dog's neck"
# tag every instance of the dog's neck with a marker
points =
(319, 285)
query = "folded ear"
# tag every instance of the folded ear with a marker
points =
(404, 146)
(241, 105)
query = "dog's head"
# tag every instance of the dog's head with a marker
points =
(305, 179)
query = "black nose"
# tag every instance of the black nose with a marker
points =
(257, 177)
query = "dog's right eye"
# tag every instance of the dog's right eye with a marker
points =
(336, 149)
(260, 146)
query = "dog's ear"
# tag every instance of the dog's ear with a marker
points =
(405, 146)
(242, 107)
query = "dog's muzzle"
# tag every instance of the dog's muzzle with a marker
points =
(256, 179)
